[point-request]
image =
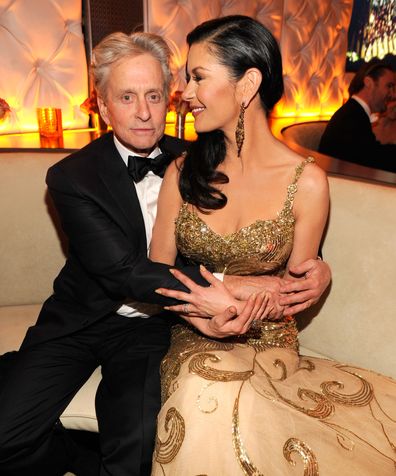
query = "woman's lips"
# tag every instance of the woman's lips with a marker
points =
(195, 111)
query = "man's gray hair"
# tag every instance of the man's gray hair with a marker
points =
(117, 46)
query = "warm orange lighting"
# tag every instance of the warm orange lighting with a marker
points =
(49, 121)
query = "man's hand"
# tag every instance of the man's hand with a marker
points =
(314, 276)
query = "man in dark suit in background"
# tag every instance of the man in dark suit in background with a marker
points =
(348, 135)
(96, 316)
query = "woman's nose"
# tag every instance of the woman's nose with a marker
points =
(188, 93)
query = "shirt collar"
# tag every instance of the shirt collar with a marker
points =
(125, 152)
(366, 107)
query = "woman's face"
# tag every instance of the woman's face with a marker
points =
(210, 92)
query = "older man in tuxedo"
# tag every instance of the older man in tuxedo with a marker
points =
(106, 196)
(349, 135)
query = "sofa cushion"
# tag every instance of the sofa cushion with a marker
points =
(32, 244)
(81, 414)
(14, 321)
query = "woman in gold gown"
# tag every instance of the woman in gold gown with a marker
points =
(241, 203)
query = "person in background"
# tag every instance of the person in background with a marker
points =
(384, 127)
(349, 135)
(243, 202)
(106, 196)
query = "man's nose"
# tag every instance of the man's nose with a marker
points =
(143, 110)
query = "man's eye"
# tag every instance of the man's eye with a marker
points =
(127, 98)
(154, 97)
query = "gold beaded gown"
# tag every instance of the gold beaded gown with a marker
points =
(251, 405)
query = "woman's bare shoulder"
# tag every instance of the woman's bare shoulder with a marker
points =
(173, 170)
(312, 178)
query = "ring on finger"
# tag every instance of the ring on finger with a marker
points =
(185, 308)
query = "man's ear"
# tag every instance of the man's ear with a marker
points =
(103, 110)
(368, 82)
(249, 84)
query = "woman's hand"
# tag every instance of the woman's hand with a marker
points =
(241, 287)
(228, 323)
(203, 301)
(210, 301)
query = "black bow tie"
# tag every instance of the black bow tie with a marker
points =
(138, 167)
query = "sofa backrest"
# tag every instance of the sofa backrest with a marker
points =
(305, 134)
(31, 244)
(357, 320)
(355, 323)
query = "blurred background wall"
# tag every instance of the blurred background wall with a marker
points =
(46, 46)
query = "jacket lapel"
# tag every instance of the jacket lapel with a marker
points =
(114, 174)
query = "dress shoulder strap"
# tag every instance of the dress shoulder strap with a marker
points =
(300, 168)
(292, 188)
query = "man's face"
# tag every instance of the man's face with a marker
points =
(135, 104)
(382, 91)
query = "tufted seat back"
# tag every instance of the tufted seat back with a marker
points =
(43, 61)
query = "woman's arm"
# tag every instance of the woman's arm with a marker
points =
(163, 250)
(163, 245)
(311, 207)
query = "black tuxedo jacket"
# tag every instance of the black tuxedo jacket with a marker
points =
(349, 136)
(107, 256)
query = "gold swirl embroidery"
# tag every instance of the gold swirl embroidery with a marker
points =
(309, 367)
(345, 442)
(282, 365)
(268, 334)
(212, 399)
(198, 366)
(323, 409)
(175, 427)
(243, 458)
(293, 445)
(360, 398)
(185, 343)
(341, 430)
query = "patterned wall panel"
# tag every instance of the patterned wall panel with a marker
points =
(314, 43)
(312, 35)
(42, 60)
(102, 17)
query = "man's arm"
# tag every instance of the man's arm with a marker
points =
(302, 293)
(294, 296)
(288, 296)
(103, 248)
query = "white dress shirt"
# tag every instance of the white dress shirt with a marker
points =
(147, 191)
(372, 116)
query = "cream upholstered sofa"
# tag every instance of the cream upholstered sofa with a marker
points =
(354, 323)
(32, 251)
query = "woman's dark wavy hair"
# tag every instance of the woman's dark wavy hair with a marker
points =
(239, 43)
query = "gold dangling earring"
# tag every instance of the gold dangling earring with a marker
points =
(240, 129)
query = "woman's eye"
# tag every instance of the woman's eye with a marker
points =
(197, 78)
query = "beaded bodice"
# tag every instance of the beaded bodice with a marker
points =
(260, 248)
